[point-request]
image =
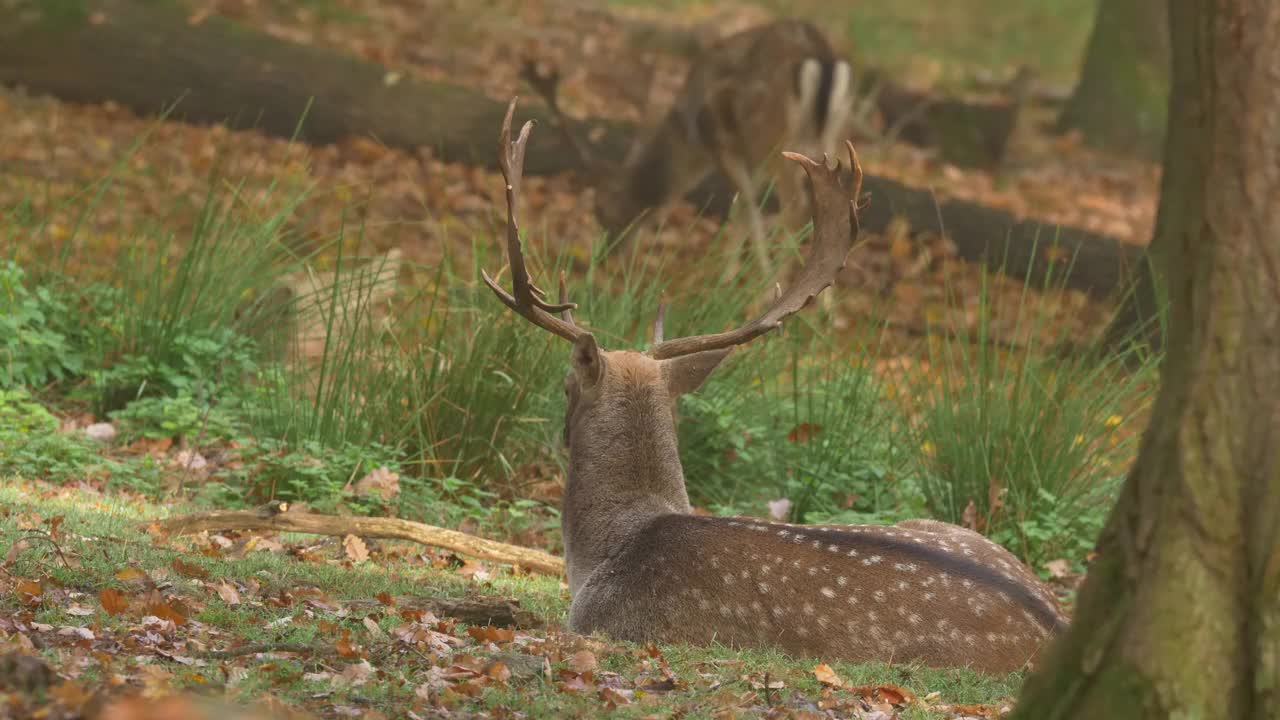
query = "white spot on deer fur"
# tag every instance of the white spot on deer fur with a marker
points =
(873, 617)
(971, 639)
(783, 533)
(715, 561)
(1005, 596)
(802, 631)
(734, 523)
(942, 624)
(842, 581)
(763, 588)
(755, 605)
(906, 567)
(764, 569)
(813, 570)
(798, 538)
(903, 585)
(795, 564)
(817, 544)
(833, 548)
(808, 608)
(914, 619)
(852, 599)
(967, 583)
(728, 578)
(755, 557)
(725, 611)
(777, 611)
(991, 637)
(828, 592)
(929, 596)
(852, 553)
(879, 596)
(777, 559)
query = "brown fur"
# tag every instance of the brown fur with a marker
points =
(643, 568)
(741, 102)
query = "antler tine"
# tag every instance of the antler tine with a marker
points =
(563, 299)
(835, 226)
(658, 321)
(548, 86)
(525, 297)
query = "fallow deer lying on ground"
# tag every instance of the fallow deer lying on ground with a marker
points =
(642, 567)
(746, 97)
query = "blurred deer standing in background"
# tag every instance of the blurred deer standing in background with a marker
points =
(744, 98)
(642, 567)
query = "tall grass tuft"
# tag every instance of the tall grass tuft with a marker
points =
(1024, 446)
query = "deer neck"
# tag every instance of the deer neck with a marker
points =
(624, 471)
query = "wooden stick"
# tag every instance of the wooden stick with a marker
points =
(390, 528)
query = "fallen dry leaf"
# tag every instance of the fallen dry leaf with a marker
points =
(584, 661)
(30, 592)
(355, 548)
(228, 593)
(1059, 568)
(827, 676)
(189, 569)
(381, 482)
(113, 601)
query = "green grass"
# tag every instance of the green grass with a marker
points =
(103, 536)
(1029, 447)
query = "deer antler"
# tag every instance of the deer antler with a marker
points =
(525, 297)
(835, 226)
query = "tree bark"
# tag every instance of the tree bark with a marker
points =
(1180, 614)
(1119, 101)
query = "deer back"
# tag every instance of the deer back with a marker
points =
(856, 593)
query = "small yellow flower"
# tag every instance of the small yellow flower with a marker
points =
(1077, 441)
(1114, 421)
(927, 448)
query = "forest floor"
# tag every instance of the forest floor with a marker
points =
(99, 602)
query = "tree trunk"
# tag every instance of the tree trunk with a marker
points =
(1119, 102)
(1180, 615)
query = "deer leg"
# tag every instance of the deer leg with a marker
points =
(736, 169)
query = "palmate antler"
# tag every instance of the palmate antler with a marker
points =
(835, 227)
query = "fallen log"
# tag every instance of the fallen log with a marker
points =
(145, 56)
(375, 527)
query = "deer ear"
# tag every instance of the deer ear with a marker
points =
(588, 365)
(686, 373)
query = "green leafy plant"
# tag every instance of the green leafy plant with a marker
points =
(34, 346)
(32, 447)
(180, 416)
